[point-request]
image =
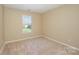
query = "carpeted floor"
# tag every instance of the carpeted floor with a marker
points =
(36, 46)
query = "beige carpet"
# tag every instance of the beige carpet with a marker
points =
(36, 46)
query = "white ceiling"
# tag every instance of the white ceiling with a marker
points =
(39, 8)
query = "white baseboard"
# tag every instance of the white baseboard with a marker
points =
(45, 36)
(34, 36)
(2, 48)
(72, 47)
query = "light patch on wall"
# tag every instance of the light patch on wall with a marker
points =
(27, 24)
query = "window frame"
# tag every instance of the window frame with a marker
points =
(23, 24)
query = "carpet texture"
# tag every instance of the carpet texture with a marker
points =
(35, 46)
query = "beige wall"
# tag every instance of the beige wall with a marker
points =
(1, 26)
(63, 24)
(13, 24)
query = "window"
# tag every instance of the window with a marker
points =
(27, 24)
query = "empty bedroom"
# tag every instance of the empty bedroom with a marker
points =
(39, 29)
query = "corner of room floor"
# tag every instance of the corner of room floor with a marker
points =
(38, 45)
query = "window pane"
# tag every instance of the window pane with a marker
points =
(27, 23)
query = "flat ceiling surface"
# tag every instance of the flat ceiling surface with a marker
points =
(39, 8)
